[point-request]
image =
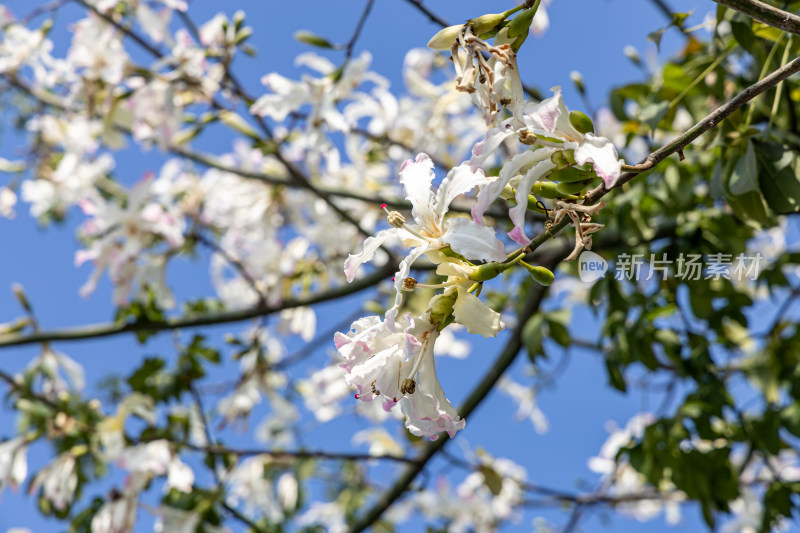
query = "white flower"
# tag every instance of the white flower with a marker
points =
(395, 362)
(380, 442)
(172, 520)
(58, 481)
(248, 484)
(525, 397)
(323, 391)
(328, 514)
(287, 491)
(51, 364)
(13, 462)
(156, 458)
(430, 231)
(8, 199)
(549, 119)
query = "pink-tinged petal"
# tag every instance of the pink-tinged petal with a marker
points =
(403, 271)
(545, 114)
(603, 156)
(484, 149)
(517, 213)
(459, 180)
(371, 245)
(518, 236)
(473, 241)
(428, 411)
(492, 190)
(416, 177)
(476, 316)
(552, 115)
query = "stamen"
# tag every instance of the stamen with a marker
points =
(408, 386)
(409, 284)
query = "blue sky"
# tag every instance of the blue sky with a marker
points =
(587, 36)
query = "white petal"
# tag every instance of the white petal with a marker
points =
(472, 240)
(603, 155)
(552, 115)
(517, 213)
(459, 180)
(402, 273)
(416, 177)
(455, 268)
(371, 245)
(428, 411)
(315, 62)
(180, 476)
(484, 149)
(475, 315)
(492, 189)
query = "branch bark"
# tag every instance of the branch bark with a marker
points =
(769, 15)
(104, 330)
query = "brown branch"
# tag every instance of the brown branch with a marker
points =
(433, 17)
(357, 32)
(710, 121)
(769, 15)
(104, 330)
(299, 454)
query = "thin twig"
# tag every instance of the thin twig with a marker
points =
(433, 17)
(348, 53)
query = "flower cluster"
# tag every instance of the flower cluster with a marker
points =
(391, 358)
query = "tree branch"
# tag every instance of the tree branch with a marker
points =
(769, 15)
(713, 118)
(105, 330)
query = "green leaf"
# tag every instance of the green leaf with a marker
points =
(778, 177)
(307, 37)
(493, 480)
(743, 33)
(532, 336)
(652, 114)
(744, 178)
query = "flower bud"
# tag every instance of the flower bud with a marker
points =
(545, 189)
(486, 23)
(570, 175)
(521, 24)
(577, 79)
(489, 271)
(441, 307)
(540, 274)
(444, 39)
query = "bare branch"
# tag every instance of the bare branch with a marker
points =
(104, 330)
(769, 15)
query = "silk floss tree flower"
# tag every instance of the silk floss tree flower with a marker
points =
(398, 367)
(559, 140)
(392, 359)
(431, 232)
